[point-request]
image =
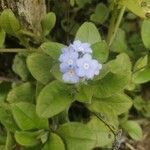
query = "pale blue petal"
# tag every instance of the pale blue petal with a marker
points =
(80, 72)
(90, 75)
(77, 43)
(63, 67)
(87, 48)
(70, 79)
(87, 57)
(80, 62)
(64, 49)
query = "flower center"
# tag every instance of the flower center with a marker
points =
(70, 62)
(81, 49)
(71, 72)
(86, 66)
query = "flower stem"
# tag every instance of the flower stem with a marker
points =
(114, 28)
(109, 126)
(6, 79)
(15, 50)
(112, 24)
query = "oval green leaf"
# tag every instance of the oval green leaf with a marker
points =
(145, 32)
(88, 33)
(23, 92)
(52, 49)
(39, 65)
(119, 103)
(26, 138)
(48, 23)
(133, 129)
(53, 99)
(26, 117)
(9, 22)
(54, 143)
(77, 136)
(141, 76)
(100, 51)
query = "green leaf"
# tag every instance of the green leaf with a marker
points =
(101, 14)
(27, 139)
(19, 66)
(119, 44)
(52, 49)
(119, 103)
(145, 32)
(2, 147)
(103, 134)
(72, 2)
(108, 109)
(121, 65)
(23, 92)
(141, 63)
(26, 117)
(142, 106)
(48, 23)
(88, 33)
(116, 80)
(84, 94)
(6, 118)
(139, 103)
(110, 85)
(4, 89)
(39, 87)
(9, 22)
(39, 65)
(2, 37)
(53, 99)
(55, 71)
(142, 76)
(77, 136)
(137, 7)
(54, 143)
(9, 141)
(3, 137)
(72, 27)
(44, 136)
(104, 71)
(100, 51)
(133, 129)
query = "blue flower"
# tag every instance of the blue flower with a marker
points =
(87, 67)
(70, 76)
(68, 60)
(81, 47)
(76, 63)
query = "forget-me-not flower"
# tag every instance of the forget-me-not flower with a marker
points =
(81, 47)
(87, 67)
(76, 63)
(68, 60)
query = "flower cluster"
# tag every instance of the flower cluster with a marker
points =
(77, 63)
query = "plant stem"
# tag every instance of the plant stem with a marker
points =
(37, 38)
(130, 146)
(112, 24)
(5, 79)
(113, 30)
(111, 129)
(15, 50)
(68, 19)
(28, 33)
